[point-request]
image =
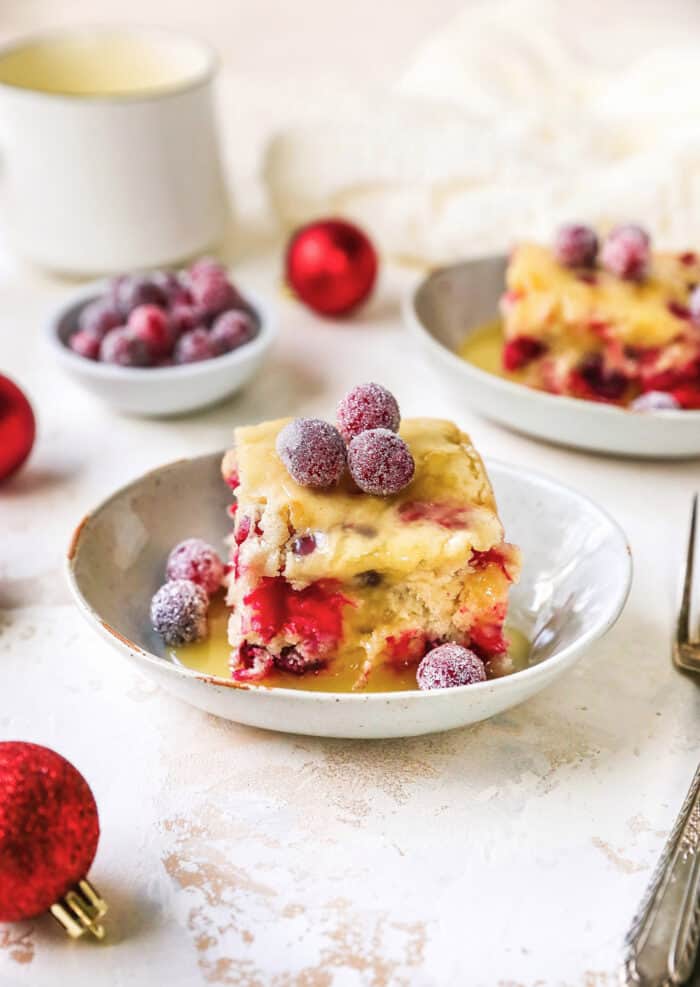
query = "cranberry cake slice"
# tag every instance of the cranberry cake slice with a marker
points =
(330, 578)
(608, 331)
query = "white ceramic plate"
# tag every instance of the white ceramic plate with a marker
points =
(156, 391)
(576, 576)
(454, 300)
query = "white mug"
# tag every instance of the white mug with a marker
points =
(109, 158)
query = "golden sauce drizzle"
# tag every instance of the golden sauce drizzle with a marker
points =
(483, 347)
(212, 657)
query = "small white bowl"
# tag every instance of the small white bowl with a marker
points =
(452, 301)
(160, 391)
(576, 576)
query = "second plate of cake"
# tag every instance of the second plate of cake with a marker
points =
(376, 588)
(575, 355)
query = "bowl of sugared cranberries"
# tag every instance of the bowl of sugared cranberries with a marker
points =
(163, 342)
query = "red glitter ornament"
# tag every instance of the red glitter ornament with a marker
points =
(331, 265)
(17, 427)
(49, 830)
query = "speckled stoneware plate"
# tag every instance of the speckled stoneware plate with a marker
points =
(575, 580)
(454, 301)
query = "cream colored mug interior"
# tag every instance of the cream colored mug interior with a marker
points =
(108, 63)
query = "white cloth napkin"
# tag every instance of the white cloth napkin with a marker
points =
(519, 115)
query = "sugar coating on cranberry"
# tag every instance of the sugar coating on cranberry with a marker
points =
(214, 292)
(576, 245)
(449, 665)
(626, 252)
(121, 347)
(194, 346)
(196, 560)
(99, 317)
(312, 451)
(183, 317)
(231, 330)
(136, 289)
(85, 344)
(365, 407)
(150, 324)
(179, 612)
(380, 462)
(655, 401)
(206, 266)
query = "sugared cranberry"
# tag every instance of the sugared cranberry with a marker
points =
(576, 245)
(150, 324)
(197, 561)
(206, 266)
(212, 290)
(172, 287)
(136, 289)
(231, 330)
(365, 407)
(99, 317)
(313, 452)
(194, 346)
(183, 317)
(85, 344)
(626, 252)
(179, 612)
(120, 346)
(655, 401)
(449, 665)
(304, 545)
(380, 462)
(607, 384)
(518, 352)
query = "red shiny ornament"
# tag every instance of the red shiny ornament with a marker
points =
(17, 427)
(331, 265)
(48, 829)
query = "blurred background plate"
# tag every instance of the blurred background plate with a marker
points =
(454, 301)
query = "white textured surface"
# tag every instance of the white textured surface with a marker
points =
(507, 855)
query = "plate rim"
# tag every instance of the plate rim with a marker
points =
(419, 329)
(586, 639)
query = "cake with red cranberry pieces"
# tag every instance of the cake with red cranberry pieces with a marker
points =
(361, 546)
(608, 323)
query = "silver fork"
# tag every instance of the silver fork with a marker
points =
(662, 944)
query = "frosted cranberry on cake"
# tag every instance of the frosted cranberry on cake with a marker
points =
(606, 324)
(393, 546)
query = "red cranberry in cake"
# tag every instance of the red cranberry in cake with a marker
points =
(518, 352)
(194, 346)
(179, 612)
(196, 560)
(366, 407)
(576, 245)
(626, 252)
(120, 346)
(450, 665)
(85, 344)
(312, 451)
(380, 462)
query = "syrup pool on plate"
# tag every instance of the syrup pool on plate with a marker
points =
(212, 658)
(483, 347)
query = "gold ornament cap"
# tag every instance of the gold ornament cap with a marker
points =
(80, 911)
